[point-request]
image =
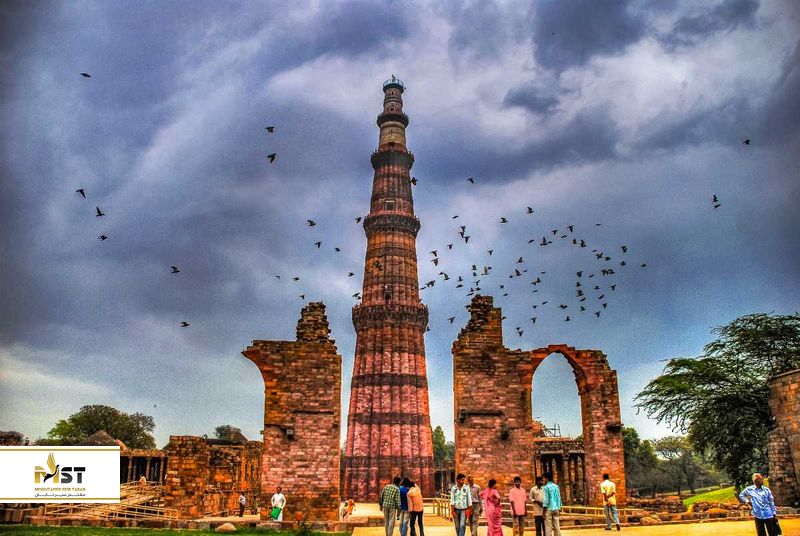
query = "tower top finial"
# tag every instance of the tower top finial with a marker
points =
(394, 82)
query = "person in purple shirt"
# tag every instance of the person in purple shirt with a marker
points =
(762, 503)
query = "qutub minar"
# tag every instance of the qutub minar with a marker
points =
(388, 426)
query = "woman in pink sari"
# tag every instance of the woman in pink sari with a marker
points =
(491, 505)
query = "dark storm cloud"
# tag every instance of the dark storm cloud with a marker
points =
(725, 16)
(780, 117)
(480, 29)
(590, 136)
(568, 34)
(533, 97)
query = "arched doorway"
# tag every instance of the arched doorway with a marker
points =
(494, 431)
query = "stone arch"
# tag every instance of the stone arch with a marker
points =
(494, 430)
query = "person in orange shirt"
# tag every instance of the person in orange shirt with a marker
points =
(517, 497)
(415, 507)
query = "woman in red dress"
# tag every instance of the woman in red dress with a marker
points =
(491, 505)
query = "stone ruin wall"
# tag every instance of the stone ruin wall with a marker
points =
(494, 429)
(302, 418)
(205, 477)
(784, 440)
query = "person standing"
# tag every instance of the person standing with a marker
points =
(477, 506)
(351, 504)
(389, 501)
(460, 501)
(493, 509)
(278, 501)
(536, 497)
(416, 508)
(762, 504)
(242, 502)
(517, 497)
(551, 504)
(609, 491)
(404, 515)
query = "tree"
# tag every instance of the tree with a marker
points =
(640, 458)
(680, 460)
(135, 430)
(439, 446)
(721, 397)
(226, 431)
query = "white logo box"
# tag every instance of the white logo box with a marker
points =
(84, 474)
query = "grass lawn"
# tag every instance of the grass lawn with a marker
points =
(29, 530)
(718, 495)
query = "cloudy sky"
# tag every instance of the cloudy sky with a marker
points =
(628, 115)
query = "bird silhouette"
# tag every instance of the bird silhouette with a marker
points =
(451, 319)
(358, 220)
(270, 129)
(566, 319)
(449, 246)
(529, 211)
(82, 192)
(747, 141)
(51, 464)
(295, 278)
(102, 237)
(624, 249)
(302, 296)
(99, 212)
(318, 244)
(350, 274)
(86, 75)
(185, 324)
(503, 220)
(471, 179)
(174, 270)
(434, 253)
(272, 157)
(413, 180)
(490, 251)
(311, 223)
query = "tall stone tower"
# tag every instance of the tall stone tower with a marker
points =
(389, 427)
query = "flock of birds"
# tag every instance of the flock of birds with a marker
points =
(591, 295)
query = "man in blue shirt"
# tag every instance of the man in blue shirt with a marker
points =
(404, 514)
(551, 504)
(762, 503)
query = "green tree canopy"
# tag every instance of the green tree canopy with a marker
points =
(439, 446)
(135, 430)
(226, 431)
(721, 397)
(640, 458)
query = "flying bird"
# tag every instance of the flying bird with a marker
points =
(87, 75)
(174, 270)
(449, 246)
(295, 278)
(99, 212)
(185, 324)
(337, 249)
(272, 157)
(358, 220)
(102, 237)
(530, 210)
(413, 180)
(625, 248)
(451, 319)
(311, 223)
(715, 201)
(490, 251)
(472, 179)
(350, 274)
(302, 296)
(434, 253)
(318, 244)
(746, 141)
(270, 129)
(82, 192)
(503, 220)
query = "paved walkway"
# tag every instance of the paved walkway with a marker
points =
(437, 526)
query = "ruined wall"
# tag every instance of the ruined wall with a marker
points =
(187, 474)
(494, 430)
(784, 440)
(302, 415)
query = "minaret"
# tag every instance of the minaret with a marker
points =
(389, 426)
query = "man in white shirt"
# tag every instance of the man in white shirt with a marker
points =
(242, 502)
(609, 491)
(279, 501)
(537, 496)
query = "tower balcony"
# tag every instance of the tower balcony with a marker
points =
(377, 316)
(403, 158)
(403, 223)
(397, 117)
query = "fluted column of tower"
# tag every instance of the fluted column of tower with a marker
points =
(388, 426)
